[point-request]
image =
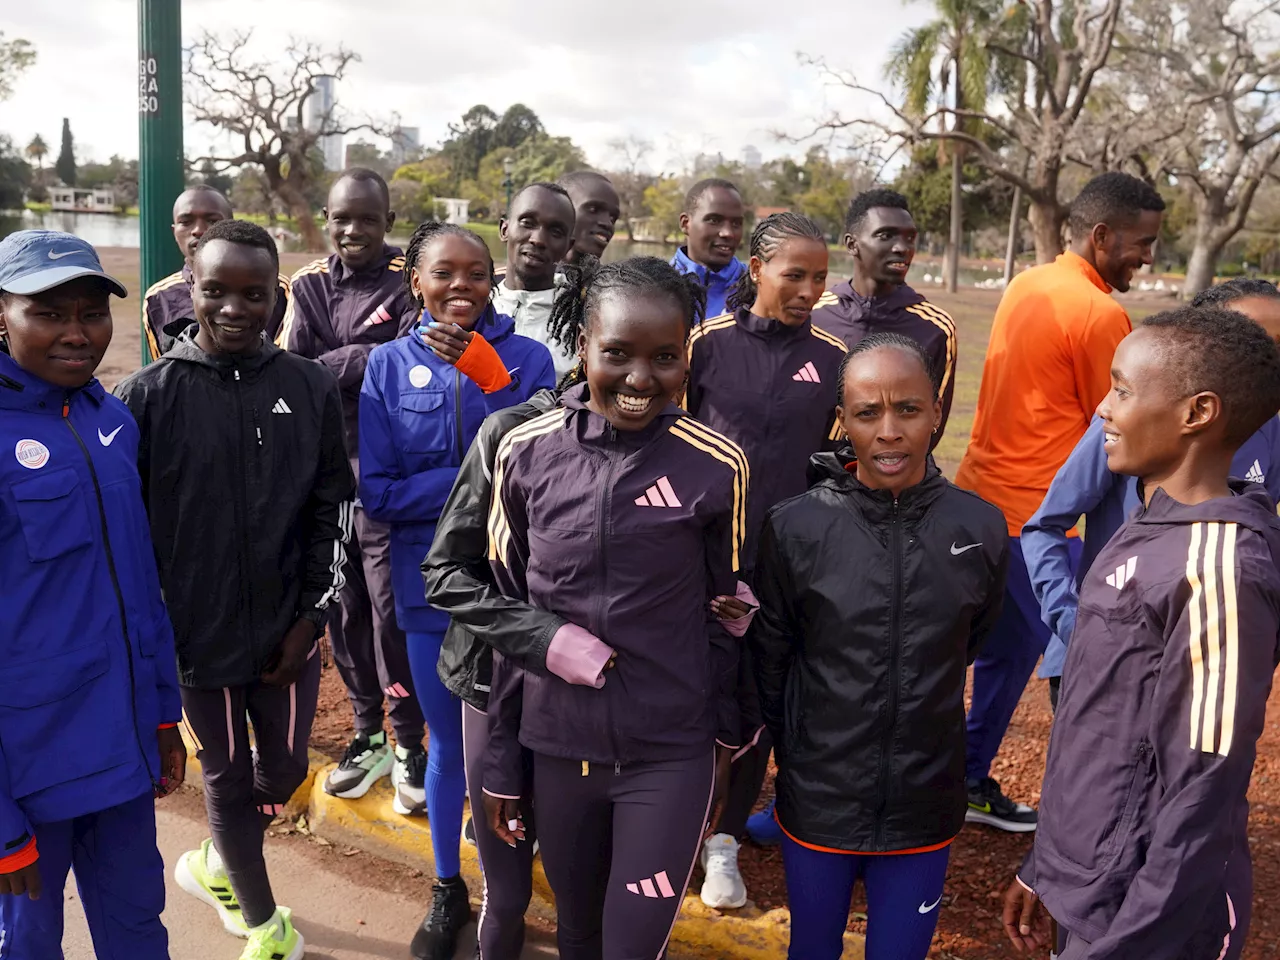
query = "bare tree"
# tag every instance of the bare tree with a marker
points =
(1218, 64)
(1063, 46)
(628, 180)
(263, 105)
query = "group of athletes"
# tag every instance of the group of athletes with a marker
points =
(616, 533)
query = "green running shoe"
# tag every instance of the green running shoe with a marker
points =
(275, 940)
(193, 876)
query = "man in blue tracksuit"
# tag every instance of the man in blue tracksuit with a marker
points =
(1086, 487)
(88, 687)
(712, 223)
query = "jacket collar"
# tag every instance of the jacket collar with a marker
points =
(899, 298)
(341, 274)
(25, 391)
(769, 329)
(594, 430)
(1078, 264)
(186, 350)
(187, 276)
(728, 274)
(838, 470)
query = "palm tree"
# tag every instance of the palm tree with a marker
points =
(37, 150)
(954, 45)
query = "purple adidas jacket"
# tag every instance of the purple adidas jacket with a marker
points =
(338, 317)
(1163, 699)
(843, 312)
(772, 389)
(628, 535)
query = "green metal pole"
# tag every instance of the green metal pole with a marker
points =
(160, 172)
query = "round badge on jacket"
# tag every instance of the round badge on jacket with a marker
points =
(32, 454)
(420, 376)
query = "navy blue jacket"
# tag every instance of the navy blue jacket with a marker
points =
(1143, 814)
(718, 283)
(1085, 487)
(418, 416)
(87, 670)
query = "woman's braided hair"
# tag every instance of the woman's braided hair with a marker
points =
(770, 234)
(427, 231)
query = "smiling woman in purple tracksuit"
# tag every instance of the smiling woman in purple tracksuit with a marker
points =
(625, 516)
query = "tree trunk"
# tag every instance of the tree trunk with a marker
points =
(957, 218)
(296, 201)
(1201, 266)
(1046, 224)
(1011, 249)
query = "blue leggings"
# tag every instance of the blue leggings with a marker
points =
(446, 783)
(904, 892)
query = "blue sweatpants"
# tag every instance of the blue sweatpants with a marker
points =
(446, 783)
(904, 892)
(1009, 655)
(119, 874)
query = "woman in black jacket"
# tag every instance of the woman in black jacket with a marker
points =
(876, 589)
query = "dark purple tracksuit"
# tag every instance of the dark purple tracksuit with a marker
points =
(167, 311)
(338, 317)
(1142, 848)
(772, 389)
(628, 535)
(842, 312)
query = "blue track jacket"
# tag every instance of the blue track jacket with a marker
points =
(1085, 487)
(718, 283)
(87, 669)
(418, 416)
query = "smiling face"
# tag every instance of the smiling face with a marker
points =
(790, 283)
(597, 210)
(453, 278)
(634, 353)
(61, 334)
(194, 212)
(714, 227)
(882, 248)
(1121, 251)
(538, 234)
(233, 295)
(889, 413)
(358, 220)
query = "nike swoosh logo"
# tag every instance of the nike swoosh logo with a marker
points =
(59, 256)
(106, 440)
(930, 908)
(956, 551)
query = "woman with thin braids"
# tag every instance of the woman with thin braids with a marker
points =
(765, 377)
(423, 400)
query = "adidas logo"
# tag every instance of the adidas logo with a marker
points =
(659, 495)
(281, 407)
(808, 373)
(1123, 574)
(380, 315)
(1255, 474)
(659, 886)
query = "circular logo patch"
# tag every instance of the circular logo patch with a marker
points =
(420, 376)
(32, 454)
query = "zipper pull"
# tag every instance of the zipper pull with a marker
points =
(237, 375)
(586, 768)
(66, 405)
(617, 768)
(258, 430)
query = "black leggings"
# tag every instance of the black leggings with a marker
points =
(618, 845)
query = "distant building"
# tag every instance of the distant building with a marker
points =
(751, 158)
(405, 145)
(320, 109)
(455, 210)
(83, 199)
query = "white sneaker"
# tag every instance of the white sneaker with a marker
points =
(408, 776)
(723, 888)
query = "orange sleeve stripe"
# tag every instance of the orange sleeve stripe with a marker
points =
(23, 858)
(860, 853)
(166, 726)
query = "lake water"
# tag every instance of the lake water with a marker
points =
(105, 230)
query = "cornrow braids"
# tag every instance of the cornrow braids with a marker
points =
(589, 281)
(766, 239)
(1236, 289)
(427, 231)
(895, 341)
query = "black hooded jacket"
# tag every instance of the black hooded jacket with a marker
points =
(871, 609)
(249, 491)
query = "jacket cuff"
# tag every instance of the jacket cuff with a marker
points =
(24, 857)
(578, 657)
(482, 365)
(738, 627)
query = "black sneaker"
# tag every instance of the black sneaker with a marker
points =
(469, 831)
(364, 763)
(988, 805)
(437, 938)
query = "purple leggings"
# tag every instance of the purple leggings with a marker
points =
(618, 845)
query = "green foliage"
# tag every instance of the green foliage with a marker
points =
(16, 57)
(221, 182)
(926, 183)
(66, 165)
(664, 200)
(829, 186)
(15, 175)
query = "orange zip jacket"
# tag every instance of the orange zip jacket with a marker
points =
(1048, 367)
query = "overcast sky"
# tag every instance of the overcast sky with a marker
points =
(690, 75)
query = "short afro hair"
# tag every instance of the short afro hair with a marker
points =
(1115, 199)
(867, 201)
(365, 175)
(244, 233)
(696, 192)
(1239, 288)
(579, 177)
(556, 188)
(891, 341)
(1223, 352)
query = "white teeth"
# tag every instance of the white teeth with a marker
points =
(632, 404)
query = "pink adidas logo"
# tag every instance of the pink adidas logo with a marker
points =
(808, 373)
(659, 495)
(381, 315)
(658, 886)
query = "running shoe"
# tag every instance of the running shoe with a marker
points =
(367, 760)
(469, 831)
(275, 940)
(409, 776)
(194, 876)
(989, 806)
(763, 829)
(437, 938)
(722, 888)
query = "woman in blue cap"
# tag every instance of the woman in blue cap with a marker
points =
(88, 686)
